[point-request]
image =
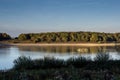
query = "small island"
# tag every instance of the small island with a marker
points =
(63, 39)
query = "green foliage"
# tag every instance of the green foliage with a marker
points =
(4, 36)
(58, 74)
(23, 63)
(94, 38)
(100, 62)
(102, 57)
(71, 37)
(81, 68)
(78, 62)
(24, 37)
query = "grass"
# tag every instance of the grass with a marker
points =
(79, 68)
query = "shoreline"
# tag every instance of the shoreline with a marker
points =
(64, 44)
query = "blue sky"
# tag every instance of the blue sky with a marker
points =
(28, 16)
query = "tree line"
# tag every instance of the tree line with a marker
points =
(4, 36)
(95, 37)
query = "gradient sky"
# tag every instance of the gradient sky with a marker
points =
(26, 16)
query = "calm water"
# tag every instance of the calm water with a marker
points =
(10, 53)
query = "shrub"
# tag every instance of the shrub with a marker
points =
(101, 57)
(23, 63)
(78, 62)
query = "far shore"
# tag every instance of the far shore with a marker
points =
(64, 44)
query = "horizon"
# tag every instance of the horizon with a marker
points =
(60, 32)
(38, 16)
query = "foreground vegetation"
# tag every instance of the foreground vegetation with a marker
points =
(81, 68)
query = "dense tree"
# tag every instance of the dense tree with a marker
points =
(71, 37)
(94, 38)
(4, 36)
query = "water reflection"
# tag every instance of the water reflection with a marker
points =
(4, 51)
(71, 49)
(10, 53)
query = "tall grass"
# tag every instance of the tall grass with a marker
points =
(79, 68)
(100, 62)
(23, 63)
(102, 57)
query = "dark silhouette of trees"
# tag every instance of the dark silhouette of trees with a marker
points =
(4, 36)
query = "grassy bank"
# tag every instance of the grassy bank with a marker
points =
(56, 69)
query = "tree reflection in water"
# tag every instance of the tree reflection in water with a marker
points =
(71, 49)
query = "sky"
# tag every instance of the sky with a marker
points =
(36, 16)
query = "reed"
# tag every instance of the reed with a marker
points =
(79, 68)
